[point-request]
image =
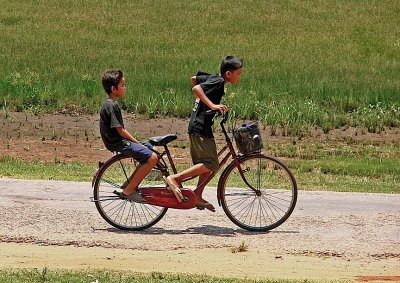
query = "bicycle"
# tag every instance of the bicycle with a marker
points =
(257, 192)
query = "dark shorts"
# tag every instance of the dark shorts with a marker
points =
(140, 152)
(204, 151)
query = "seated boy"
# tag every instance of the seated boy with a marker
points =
(209, 90)
(117, 139)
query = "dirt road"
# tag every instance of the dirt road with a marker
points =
(329, 235)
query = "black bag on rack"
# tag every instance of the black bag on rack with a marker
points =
(248, 138)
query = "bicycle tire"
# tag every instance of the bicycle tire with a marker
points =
(277, 193)
(121, 213)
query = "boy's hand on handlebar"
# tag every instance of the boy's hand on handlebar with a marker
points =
(220, 107)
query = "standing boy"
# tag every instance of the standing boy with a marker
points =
(117, 139)
(209, 90)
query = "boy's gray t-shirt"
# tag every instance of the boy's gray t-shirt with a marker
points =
(110, 119)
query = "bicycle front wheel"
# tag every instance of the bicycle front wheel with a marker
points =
(122, 213)
(272, 202)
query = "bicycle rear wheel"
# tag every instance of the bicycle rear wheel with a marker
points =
(122, 213)
(273, 201)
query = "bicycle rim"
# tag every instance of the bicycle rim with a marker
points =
(124, 214)
(276, 198)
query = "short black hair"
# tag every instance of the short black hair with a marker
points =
(230, 63)
(111, 78)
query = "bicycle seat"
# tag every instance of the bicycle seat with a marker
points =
(162, 140)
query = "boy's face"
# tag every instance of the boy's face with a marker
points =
(120, 90)
(234, 76)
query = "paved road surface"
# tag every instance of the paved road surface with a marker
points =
(345, 226)
(60, 213)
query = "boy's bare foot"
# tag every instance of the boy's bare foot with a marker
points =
(172, 182)
(174, 188)
(201, 204)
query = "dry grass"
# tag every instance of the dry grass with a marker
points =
(243, 247)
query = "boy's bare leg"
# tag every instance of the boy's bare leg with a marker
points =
(197, 170)
(199, 190)
(140, 173)
(193, 171)
(130, 178)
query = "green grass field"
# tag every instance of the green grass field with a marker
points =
(102, 276)
(307, 63)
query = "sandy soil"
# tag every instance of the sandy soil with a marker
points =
(53, 224)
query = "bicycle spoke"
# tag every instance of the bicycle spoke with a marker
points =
(112, 183)
(117, 211)
(235, 203)
(129, 217)
(244, 210)
(276, 204)
(112, 201)
(123, 169)
(270, 212)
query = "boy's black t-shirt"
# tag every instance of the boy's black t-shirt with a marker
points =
(110, 119)
(213, 87)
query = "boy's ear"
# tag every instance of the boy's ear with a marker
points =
(113, 88)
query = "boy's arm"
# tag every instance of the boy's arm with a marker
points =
(198, 91)
(125, 134)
